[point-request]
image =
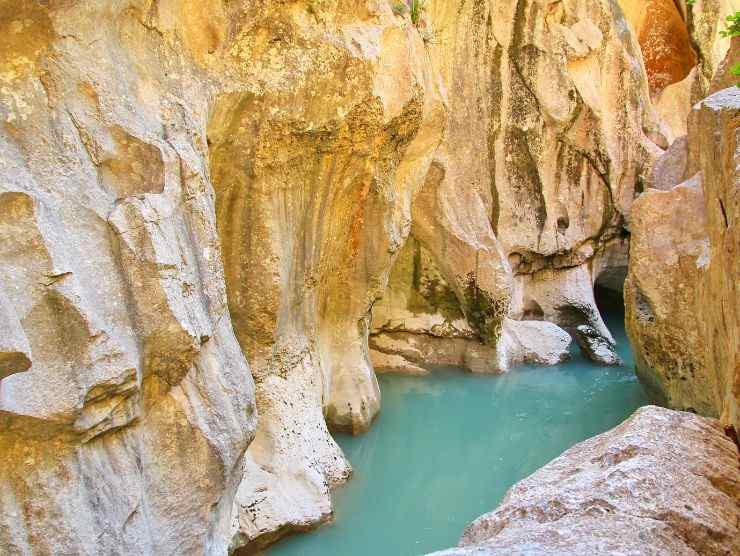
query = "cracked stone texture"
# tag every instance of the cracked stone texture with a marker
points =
(191, 184)
(680, 295)
(662, 482)
(548, 135)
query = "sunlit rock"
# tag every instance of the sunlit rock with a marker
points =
(681, 298)
(662, 482)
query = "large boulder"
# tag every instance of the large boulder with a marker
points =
(662, 482)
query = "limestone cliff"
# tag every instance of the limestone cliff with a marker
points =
(206, 206)
(125, 429)
(525, 203)
(681, 294)
(682, 48)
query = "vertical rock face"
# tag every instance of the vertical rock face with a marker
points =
(662, 482)
(717, 120)
(546, 140)
(682, 48)
(681, 298)
(125, 430)
(315, 161)
(188, 185)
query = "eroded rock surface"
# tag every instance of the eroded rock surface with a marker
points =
(682, 48)
(188, 185)
(662, 482)
(548, 134)
(126, 429)
(681, 294)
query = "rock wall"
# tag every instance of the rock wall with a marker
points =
(188, 186)
(662, 482)
(315, 161)
(682, 48)
(524, 207)
(126, 429)
(681, 298)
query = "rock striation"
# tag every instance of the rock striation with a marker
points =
(680, 295)
(524, 206)
(662, 482)
(216, 218)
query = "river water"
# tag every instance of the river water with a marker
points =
(446, 448)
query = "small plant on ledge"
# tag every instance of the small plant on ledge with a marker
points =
(400, 8)
(733, 26)
(417, 9)
(733, 30)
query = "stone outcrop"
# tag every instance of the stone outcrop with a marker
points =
(188, 186)
(662, 482)
(528, 193)
(126, 428)
(682, 49)
(681, 298)
(15, 353)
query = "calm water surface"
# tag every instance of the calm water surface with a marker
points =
(446, 448)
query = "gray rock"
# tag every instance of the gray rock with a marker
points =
(662, 482)
(597, 348)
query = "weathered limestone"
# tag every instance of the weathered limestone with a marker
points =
(680, 295)
(157, 156)
(663, 34)
(717, 120)
(682, 48)
(566, 297)
(15, 353)
(126, 431)
(662, 482)
(547, 138)
(419, 324)
(315, 155)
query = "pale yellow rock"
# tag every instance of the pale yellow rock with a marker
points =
(717, 124)
(15, 353)
(188, 185)
(127, 432)
(537, 170)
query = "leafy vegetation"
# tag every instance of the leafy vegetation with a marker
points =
(733, 26)
(733, 30)
(417, 9)
(400, 8)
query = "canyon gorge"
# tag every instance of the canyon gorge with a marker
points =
(219, 219)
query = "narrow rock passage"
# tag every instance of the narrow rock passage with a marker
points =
(447, 446)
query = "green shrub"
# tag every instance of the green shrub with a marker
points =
(733, 26)
(400, 8)
(417, 8)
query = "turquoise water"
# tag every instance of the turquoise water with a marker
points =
(446, 448)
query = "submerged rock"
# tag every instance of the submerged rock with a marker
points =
(662, 482)
(597, 348)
